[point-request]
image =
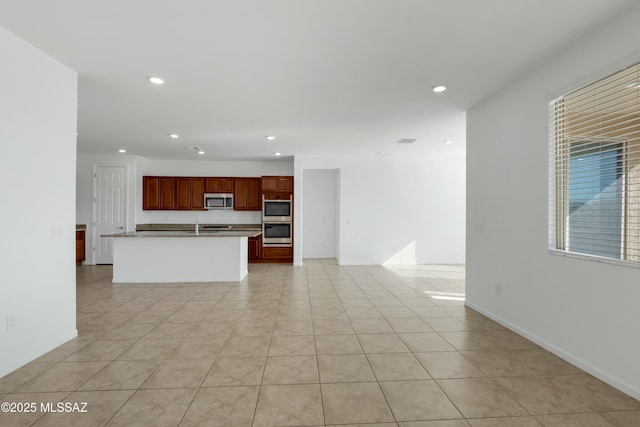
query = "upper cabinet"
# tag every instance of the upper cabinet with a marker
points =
(218, 185)
(197, 193)
(167, 193)
(247, 194)
(272, 195)
(183, 193)
(277, 184)
(150, 192)
(158, 192)
(189, 193)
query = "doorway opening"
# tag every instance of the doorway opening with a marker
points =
(320, 214)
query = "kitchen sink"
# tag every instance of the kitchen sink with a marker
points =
(215, 227)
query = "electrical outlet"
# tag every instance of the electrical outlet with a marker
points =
(498, 290)
(479, 227)
(11, 323)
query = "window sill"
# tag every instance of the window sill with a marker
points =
(622, 263)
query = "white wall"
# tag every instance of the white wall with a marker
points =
(38, 115)
(584, 311)
(215, 168)
(399, 209)
(319, 213)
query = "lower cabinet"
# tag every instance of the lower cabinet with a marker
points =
(277, 254)
(80, 239)
(255, 249)
(259, 253)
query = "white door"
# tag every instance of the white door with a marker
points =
(109, 209)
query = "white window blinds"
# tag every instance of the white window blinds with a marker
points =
(595, 169)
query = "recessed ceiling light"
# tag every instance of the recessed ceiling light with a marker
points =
(276, 154)
(122, 151)
(200, 152)
(174, 135)
(448, 141)
(439, 88)
(270, 138)
(156, 80)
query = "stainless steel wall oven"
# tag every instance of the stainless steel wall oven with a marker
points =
(276, 234)
(276, 210)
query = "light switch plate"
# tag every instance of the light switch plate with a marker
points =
(11, 323)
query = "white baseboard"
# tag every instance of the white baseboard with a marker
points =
(358, 263)
(613, 381)
(43, 348)
(178, 279)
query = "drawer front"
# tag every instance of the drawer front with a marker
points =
(277, 253)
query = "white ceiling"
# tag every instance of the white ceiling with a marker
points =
(323, 76)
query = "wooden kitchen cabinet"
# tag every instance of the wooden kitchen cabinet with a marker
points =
(158, 192)
(150, 192)
(197, 193)
(247, 194)
(80, 246)
(255, 248)
(189, 193)
(270, 254)
(218, 185)
(167, 193)
(277, 184)
(276, 196)
(183, 193)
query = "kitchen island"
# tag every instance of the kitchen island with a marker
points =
(180, 256)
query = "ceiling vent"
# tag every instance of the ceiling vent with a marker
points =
(406, 141)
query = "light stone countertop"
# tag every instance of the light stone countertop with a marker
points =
(178, 233)
(203, 227)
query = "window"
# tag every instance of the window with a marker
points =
(595, 169)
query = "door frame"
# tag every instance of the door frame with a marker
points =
(94, 201)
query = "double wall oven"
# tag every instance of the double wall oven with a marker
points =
(277, 223)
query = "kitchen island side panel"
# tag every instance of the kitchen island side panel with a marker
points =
(189, 259)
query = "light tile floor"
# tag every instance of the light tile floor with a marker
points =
(311, 346)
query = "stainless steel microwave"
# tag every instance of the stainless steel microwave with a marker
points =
(218, 201)
(276, 210)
